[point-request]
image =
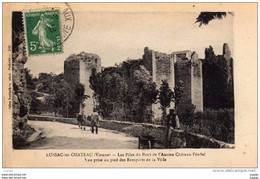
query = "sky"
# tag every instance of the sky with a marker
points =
(118, 36)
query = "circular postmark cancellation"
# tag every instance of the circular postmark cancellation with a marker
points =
(68, 20)
(46, 30)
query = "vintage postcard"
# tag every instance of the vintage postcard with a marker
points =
(130, 85)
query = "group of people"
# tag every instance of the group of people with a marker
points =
(94, 119)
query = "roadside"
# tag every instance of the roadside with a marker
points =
(56, 135)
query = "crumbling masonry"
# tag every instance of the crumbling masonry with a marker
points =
(77, 69)
(182, 65)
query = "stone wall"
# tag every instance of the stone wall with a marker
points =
(183, 73)
(71, 71)
(189, 71)
(227, 55)
(182, 55)
(196, 82)
(21, 97)
(181, 138)
(179, 65)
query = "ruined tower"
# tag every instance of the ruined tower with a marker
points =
(77, 69)
(180, 65)
(218, 87)
(161, 67)
(188, 69)
(227, 55)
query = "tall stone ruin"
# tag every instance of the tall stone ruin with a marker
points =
(181, 65)
(161, 67)
(77, 69)
(188, 69)
(218, 79)
(227, 55)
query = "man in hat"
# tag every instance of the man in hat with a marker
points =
(94, 122)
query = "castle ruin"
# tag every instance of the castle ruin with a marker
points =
(178, 66)
(77, 69)
(182, 65)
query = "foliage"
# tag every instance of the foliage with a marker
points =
(122, 91)
(179, 91)
(166, 96)
(57, 96)
(66, 99)
(20, 135)
(30, 80)
(185, 112)
(205, 17)
(137, 130)
(218, 124)
(217, 82)
(36, 105)
(146, 93)
(108, 90)
(17, 30)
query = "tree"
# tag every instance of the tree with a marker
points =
(205, 17)
(79, 96)
(30, 80)
(166, 96)
(145, 94)
(109, 89)
(186, 111)
(217, 81)
(30, 86)
(58, 96)
(60, 100)
(124, 93)
(45, 83)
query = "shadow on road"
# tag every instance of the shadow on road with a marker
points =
(74, 128)
(59, 142)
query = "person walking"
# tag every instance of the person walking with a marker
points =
(94, 122)
(81, 120)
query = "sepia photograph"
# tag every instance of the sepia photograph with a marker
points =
(162, 87)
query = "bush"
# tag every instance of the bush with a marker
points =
(140, 130)
(218, 124)
(21, 134)
(185, 112)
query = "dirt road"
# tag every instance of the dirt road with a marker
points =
(58, 135)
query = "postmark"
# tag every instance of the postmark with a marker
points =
(67, 21)
(43, 32)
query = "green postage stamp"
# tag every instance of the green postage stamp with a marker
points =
(42, 32)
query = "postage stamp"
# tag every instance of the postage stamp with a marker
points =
(42, 32)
